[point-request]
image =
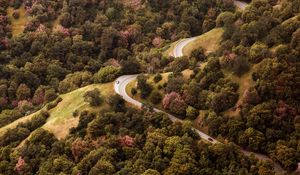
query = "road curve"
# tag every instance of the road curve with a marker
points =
(177, 52)
(120, 88)
(123, 81)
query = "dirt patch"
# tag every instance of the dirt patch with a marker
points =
(18, 25)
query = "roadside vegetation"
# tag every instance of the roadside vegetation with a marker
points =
(237, 81)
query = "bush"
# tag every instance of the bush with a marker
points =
(53, 104)
(75, 113)
(133, 91)
(143, 86)
(117, 103)
(50, 95)
(157, 78)
(223, 100)
(192, 113)
(93, 97)
(178, 106)
(155, 97)
(74, 81)
(16, 14)
(240, 66)
(36, 121)
(258, 51)
(225, 19)
(159, 87)
(8, 116)
(106, 74)
(179, 64)
(199, 54)
(175, 84)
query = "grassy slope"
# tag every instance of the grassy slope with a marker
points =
(210, 41)
(17, 24)
(61, 119)
(186, 74)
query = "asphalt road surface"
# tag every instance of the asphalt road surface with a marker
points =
(123, 81)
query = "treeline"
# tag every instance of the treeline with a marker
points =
(129, 141)
(94, 41)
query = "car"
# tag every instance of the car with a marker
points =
(210, 139)
(117, 82)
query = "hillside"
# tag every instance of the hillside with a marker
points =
(61, 117)
(155, 87)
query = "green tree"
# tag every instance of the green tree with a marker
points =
(192, 113)
(143, 86)
(157, 78)
(253, 139)
(225, 19)
(93, 97)
(23, 92)
(106, 74)
(223, 100)
(286, 156)
(155, 97)
(258, 51)
(151, 172)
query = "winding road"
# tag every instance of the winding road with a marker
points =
(123, 81)
(120, 88)
(177, 52)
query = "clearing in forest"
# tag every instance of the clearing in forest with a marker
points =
(18, 25)
(61, 117)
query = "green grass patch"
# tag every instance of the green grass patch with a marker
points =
(61, 117)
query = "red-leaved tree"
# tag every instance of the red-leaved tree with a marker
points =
(20, 165)
(126, 141)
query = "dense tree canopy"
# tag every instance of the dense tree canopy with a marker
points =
(69, 44)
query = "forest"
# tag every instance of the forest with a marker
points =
(245, 93)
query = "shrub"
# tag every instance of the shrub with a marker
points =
(53, 104)
(225, 19)
(192, 113)
(143, 86)
(199, 54)
(25, 106)
(8, 116)
(74, 81)
(175, 84)
(106, 74)
(159, 87)
(16, 14)
(50, 95)
(155, 97)
(169, 98)
(133, 91)
(179, 64)
(178, 106)
(223, 100)
(258, 51)
(75, 113)
(240, 66)
(117, 103)
(93, 97)
(157, 78)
